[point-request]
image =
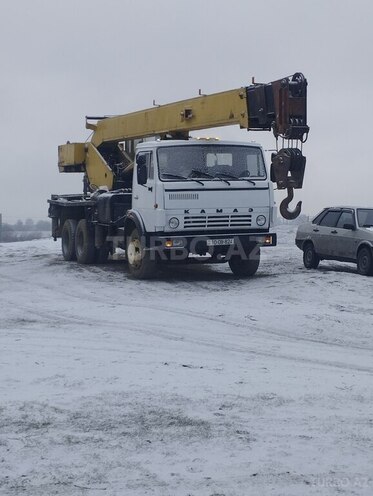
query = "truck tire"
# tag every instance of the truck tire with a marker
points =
(310, 258)
(68, 239)
(84, 243)
(365, 261)
(245, 267)
(140, 262)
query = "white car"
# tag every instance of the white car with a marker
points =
(338, 233)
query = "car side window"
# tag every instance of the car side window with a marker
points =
(345, 218)
(318, 217)
(330, 219)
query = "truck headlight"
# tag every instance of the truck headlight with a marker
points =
(261, 220)
(173, 222)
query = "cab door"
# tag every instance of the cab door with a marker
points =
(143, 193)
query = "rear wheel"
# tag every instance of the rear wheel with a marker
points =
(365, 261)
(68, 239)
(310, 258)
(84, 243)
(245, 267)
(141, 263)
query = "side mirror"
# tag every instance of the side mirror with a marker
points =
(351, 227)
(142, 173)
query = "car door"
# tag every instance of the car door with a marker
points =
(311, 230)
(345, 240)
(326, 232)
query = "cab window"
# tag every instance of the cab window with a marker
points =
(149, 163)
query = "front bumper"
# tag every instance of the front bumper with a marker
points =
(198, 244)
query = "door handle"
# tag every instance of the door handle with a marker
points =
(136, 197)
(334, 232)
(316, 230)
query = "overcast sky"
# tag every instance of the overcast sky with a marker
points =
(64, 59)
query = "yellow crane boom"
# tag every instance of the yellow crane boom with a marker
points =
(279, 106)
(176, 119)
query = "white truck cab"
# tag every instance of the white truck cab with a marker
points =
(202, 197)
(201, 184)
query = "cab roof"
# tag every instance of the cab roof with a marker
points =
(197, 141)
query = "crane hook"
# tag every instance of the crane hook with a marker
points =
(284, 206)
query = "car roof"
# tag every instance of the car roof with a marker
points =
(349, 207)
(340, 207)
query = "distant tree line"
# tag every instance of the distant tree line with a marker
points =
(23, 231)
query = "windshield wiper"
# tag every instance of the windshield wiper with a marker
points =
(248, 180)
(203, 174)
(176, 176)
(235, 177)
(196, 180)
(221, 179)
(218, 174)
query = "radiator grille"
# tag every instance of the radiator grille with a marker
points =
(183, 196)
(217, 221)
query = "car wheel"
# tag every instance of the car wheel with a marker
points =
(365, 261)
(310, 258)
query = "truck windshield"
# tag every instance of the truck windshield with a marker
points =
(210, 162)
(365, 217)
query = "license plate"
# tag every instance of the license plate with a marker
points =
(220, 242)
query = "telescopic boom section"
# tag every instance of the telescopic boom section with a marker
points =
(280, 106)
(175, 119)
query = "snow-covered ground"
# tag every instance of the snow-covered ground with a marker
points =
(196, 383)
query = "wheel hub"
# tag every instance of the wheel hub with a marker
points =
(364, 262)
(134, 252)
(309, 256)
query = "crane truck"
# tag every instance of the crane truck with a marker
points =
(162, 196)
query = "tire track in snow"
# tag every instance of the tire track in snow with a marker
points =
(254, 328)
(208, 341)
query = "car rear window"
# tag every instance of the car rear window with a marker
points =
(365, 217)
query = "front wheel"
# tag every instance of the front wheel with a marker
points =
(245, 267)
(310, 258)
(141, 262)
(365, 261)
